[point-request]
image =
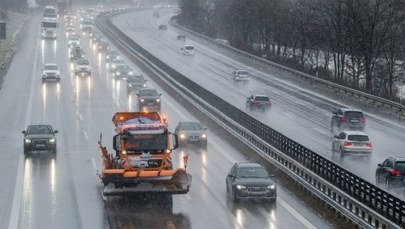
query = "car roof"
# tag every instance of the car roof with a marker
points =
(345, 109)
(259, 95)
(350, 132)
(248, 165)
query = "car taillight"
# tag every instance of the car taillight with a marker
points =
(362, 120)
(269, 103)
(347, 144)
(253, 101)
(395, 172)
(344, 119)
(369, 145)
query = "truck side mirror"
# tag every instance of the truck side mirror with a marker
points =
(174, 143)
(116, 142)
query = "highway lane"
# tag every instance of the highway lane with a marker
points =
(62, 190)
(297, 113)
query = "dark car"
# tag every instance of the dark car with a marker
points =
(149, 99)
(103, 46)
(162, 27)
(348, 119)
(39, 137)
(191, 132)
(258, 102)
(391, 173)
(111, 55)
(250, 181)
(122, 71)
(135, 82)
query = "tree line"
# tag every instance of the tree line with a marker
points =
(356, 43)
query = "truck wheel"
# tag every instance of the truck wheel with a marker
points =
(26, 150)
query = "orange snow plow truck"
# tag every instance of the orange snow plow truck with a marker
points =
(142, 161)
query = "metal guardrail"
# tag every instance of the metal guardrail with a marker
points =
(384, 102)
(360, 201)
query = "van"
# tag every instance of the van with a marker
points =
(188, 50)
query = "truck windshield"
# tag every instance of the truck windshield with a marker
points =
(153, 143)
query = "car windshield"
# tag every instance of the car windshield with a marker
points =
(360, 138)
(190, 126)
(136, 78)
(112, 53)
(354, 114)
(149, 93)
(83, 62)
(262, 98)
(252, 173)
(145, 142)
(51, 67)
(241, 72)
(39, 129)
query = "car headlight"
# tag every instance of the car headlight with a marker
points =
(129, 85)
(240, 187)
(130, 73)
(204, 136)
(52, 140)
(142, 100)
(182, 136)
(144, 85)
(157, 100)
(118, 73)
(27, 140)
(271, 186)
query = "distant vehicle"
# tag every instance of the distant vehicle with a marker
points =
(240, 75)
(156, 13)
(116, 62)
(258, 102)
(82, 67)
(149, 100)
(122, 71)
(135, 82)
(50, 13)
(73, 40)
(70, 30)
(76, 53)
(348, 118)
(50, 72)
(111, 55)
(48, 34)
(352, 142)
(192, 133)
(39, 137)
(181, 37)
(162, 27)
(188, 50)
(103, 46)
(391, 173)
(250, 181)
(87, 25)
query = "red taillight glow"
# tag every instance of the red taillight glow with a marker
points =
(369, 145)
(347, 144)
(395, 172)
(253, 101)
(344, 119)
(362, 120)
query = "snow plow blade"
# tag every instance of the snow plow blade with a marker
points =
(179, 183)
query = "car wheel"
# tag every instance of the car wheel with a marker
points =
(43, 80)
(26, 150)
(233, 196)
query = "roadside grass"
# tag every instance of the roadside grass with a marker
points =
(13, 22)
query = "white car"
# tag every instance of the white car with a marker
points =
(73, 40)
(50, 72)
(188, 50)
(82, 67)
(240, 75)
(352, 142)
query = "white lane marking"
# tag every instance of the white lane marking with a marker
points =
(85, 135)
(80, 117)
(224, 153)
(320, 131)
(19, 184)
(296, 214)
(93, 162)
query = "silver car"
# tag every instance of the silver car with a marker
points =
(352, 142)
(191, 132)
(50, 72)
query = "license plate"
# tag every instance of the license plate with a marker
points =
(354, 120)
(151, 104)
(40, 145)
(359, 144)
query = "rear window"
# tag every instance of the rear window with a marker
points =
(400, 166)
(354, 114)
(360, 138)
(262, 98)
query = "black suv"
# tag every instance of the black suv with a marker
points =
(148, 100)
(261, 102)
(348, 118)
(391, 173)
(39, 137)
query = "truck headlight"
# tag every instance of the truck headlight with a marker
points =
(27, 140)
(204, 136)
(182, 136)
(52, 140)
(240, 187)
(142, 100)
(157, 100)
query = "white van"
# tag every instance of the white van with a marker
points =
(188, 50)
